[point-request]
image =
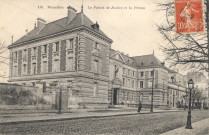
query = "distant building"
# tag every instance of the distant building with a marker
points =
(197, 77)
(72, 54)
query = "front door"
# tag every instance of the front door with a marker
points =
(64, 99)
(115, 92)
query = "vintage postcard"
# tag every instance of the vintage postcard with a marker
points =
(110, 67)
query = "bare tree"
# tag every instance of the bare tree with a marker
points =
(183, 51)
(196, 96)
(3, 49)
(4, 58)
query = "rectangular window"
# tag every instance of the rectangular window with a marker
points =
(24, 69)
(96, 65)
(128, 95)
(44, 87)
(15, 71)
(133, 73)
(71, 43)
(56, 65)
(141, 74)
(129, 72)
(124, 71)
(124, 81)
(141, 84)
(128, 83)
(34, 68)
(25, 54)
(45, 49)
(123, 95)
(70, 63)
(133, 83)
(152, 73)
(132, 96)
(57, 46)
(96, 46)
(116, 71)
(150, 84)
(44, 67)
(15, 55)
(34, 51)
(95, 89)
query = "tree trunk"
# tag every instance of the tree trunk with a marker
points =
(207, 25)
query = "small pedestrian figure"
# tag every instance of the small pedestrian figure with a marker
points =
(139, 107)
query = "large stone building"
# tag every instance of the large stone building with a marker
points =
(72, 54)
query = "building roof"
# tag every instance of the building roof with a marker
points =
(127, 60)
(147, 61)
(140, 61)
(58, 26)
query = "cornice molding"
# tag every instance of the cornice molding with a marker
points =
(82, 28)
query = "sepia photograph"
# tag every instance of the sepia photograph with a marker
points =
(104, 67)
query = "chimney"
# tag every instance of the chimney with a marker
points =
(26, 31)
(71, 14)
(95, 26)
(41, 23)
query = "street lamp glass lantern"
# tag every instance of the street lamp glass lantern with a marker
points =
(190, 84)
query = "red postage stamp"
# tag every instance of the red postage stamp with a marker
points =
(189, 16)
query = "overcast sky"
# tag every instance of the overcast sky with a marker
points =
(133, 31)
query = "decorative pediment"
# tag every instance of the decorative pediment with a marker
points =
(118, 56)
(117, 81)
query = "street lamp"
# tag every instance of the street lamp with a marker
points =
(151, 109)
(185, 100)
(190, 86)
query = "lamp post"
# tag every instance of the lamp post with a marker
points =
(185, 100)
(151, 109)
(190, 86)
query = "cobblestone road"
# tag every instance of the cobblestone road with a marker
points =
(155, 123)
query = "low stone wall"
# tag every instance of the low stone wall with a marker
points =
(14, 96)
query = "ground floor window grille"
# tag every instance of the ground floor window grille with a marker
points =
(95, 89)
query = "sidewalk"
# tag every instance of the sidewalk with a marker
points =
(199, 128)
(18, 116)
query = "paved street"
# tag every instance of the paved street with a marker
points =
(155, 123)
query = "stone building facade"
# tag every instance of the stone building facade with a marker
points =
(177, 84)
(131, 81)
(72, 53)
(74, 56)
